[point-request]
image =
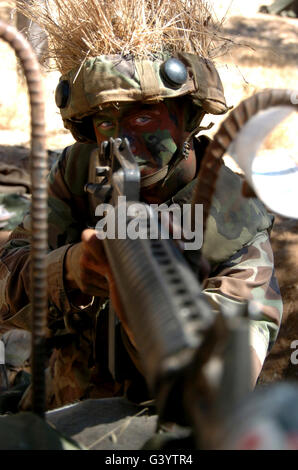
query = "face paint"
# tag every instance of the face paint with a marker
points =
(154, 131)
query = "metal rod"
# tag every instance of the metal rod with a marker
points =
(39, 243)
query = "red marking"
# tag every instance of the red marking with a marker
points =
(250, 442)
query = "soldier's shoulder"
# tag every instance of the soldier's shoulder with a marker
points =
(233, 220)
(79, 148)
(73, 164)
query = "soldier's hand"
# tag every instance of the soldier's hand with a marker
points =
(86, 267)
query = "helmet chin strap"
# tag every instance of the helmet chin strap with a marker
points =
(158, 175)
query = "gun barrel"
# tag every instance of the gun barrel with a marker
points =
(162, 302)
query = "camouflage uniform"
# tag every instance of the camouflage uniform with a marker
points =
(236, 245)
(236, 241)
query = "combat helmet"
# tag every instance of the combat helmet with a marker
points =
(107, 79)
(126, 51)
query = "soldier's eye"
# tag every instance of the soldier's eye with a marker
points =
(141, 120)
(105, 125)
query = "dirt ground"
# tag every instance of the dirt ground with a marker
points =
(266, 56)
(278, 365)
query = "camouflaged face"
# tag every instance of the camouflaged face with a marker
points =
(112, 79)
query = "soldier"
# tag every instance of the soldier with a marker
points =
(157, 101)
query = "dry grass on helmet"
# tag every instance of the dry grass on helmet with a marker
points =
(79, 29)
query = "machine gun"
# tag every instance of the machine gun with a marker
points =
(178, 336)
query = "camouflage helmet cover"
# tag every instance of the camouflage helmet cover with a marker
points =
(115, 79)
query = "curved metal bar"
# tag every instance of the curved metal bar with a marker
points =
(39, 243)
(227, 132)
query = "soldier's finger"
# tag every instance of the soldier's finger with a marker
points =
(89, 261)
(93, 283)
(93, 245)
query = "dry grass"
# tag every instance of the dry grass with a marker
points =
(79, 29)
